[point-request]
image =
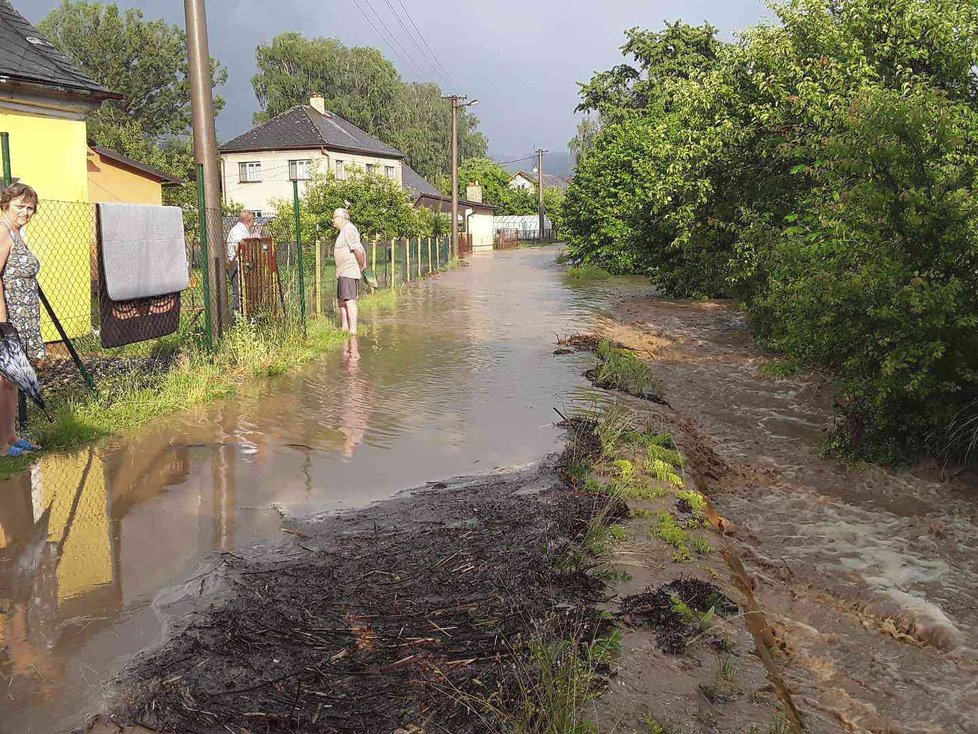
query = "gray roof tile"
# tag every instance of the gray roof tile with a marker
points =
(303, 127)
(415, 183)
(26, 56)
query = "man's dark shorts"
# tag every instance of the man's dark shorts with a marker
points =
(346, 289)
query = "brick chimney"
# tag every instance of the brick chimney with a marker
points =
(318, 103)
(473, 192)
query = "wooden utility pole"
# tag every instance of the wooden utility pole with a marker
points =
(205, 152)
(543, 213)
(457, 101)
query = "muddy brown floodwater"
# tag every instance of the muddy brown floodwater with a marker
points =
(867, 575)
(459, 380)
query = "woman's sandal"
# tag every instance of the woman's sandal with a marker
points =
(23, 443)
(17, 451)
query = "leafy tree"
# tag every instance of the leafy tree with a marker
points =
(144, 60)
(587, 130)
(361, 85)
(378, 206)
(823, 170)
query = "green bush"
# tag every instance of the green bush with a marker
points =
(822, 169)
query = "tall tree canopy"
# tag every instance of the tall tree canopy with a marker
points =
(823, 170)
(362, 86)
(144, 60)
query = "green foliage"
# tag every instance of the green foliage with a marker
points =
(146, 62)
(586, 273)
(583, 140)
(378, 206)
(365, 88)
(620, 369)
(822, 169)
(666, 529)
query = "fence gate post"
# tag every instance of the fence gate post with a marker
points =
(407, 258)
(318, 285)
(298, 248)
(393, 262)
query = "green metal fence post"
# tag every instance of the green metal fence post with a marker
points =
(5, 145)
(205, 260)
(298, 247)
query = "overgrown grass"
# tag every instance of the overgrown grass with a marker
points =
(620, 369)
(247, 351)
(586, 273)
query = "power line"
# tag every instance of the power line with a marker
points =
(379, 34)
(517, 160)
(393, 38)
(425, 42)
(428, 56)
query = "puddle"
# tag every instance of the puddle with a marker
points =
(458, 381)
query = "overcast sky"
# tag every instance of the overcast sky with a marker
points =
(521, 58)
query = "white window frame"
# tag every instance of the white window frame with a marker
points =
(389, 172)
(371, 168)
(256, 213)
(249, 172)
(295, 174)
(340, 169)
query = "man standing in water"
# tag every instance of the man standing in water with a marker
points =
(350, 259)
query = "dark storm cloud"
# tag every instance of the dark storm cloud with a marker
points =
(521, 58)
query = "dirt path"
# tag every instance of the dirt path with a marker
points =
(865, 575)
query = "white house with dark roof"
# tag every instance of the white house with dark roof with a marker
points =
(260, 165)
(527, 181)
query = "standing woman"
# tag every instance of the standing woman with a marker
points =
(20, 305)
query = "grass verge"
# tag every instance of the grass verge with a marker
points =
(125, 402)
(586, 273)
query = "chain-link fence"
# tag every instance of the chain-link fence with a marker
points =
(281, 283)
(78, 316)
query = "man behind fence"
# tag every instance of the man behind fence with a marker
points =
(350, 258)
(239, 231)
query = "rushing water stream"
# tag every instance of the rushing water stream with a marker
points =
(459, 380)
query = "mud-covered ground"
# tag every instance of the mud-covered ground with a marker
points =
(413, 613)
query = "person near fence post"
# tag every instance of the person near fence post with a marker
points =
(240, 231)
(20, 304)
(351, 259)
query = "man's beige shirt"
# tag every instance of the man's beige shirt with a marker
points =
(346, 262)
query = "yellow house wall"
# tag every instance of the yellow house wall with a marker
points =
(50, 154)
(109, 183)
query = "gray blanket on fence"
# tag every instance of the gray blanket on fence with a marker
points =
(143, 250)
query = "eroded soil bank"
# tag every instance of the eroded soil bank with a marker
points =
(864, 578)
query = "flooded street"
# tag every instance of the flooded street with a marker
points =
(458, 381)
(866, 575)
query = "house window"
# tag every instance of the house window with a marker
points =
(389, 171)
(340, 170)
(300, 170)
(257, 214)
(370, 168)
(249, 171)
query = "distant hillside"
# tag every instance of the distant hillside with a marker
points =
(559, 163)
